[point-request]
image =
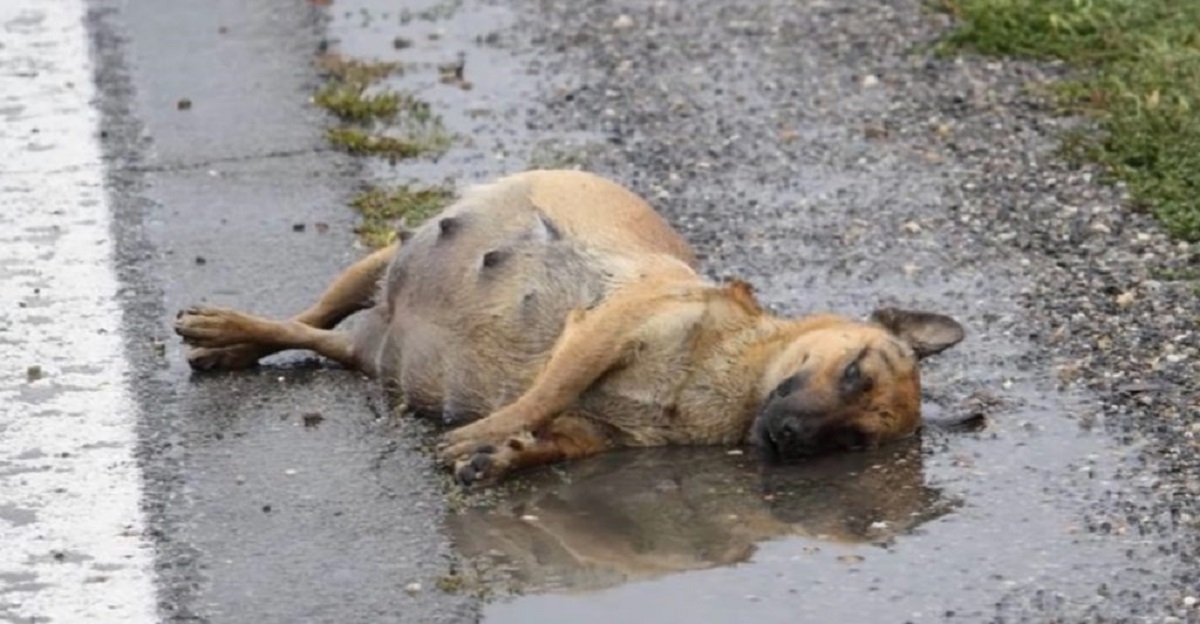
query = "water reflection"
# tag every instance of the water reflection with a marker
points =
(642, 514)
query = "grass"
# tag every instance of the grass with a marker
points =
(361, 143)
(383, 209)
(350, 102)
(1140, 82)
(376, 121)
(350, 70)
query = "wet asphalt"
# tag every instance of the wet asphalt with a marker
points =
(816, 150)
(255, 516)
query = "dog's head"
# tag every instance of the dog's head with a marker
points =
(849, 385)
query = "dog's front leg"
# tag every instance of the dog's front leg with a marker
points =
(569, 436)
(592, 343)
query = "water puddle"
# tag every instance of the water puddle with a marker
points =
(642, 515)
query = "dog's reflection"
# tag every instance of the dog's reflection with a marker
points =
(642, 514)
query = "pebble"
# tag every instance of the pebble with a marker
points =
(413, 588)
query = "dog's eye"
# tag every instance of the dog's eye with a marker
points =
(854, 381)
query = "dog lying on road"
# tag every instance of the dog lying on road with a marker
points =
(563, 317)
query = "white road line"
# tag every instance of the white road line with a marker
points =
(71, 530)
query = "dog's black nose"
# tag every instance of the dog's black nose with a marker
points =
(790, 431)
(793, 436)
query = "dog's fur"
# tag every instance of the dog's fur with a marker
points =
(558, 312)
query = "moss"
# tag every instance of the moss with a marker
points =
(360, 142)
(355, 71)
(376, 121)
(1141, 83)
(382, 209)
(351, 103)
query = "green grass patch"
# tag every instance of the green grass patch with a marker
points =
(355, 71)
(376, 121)
(361, 143)
(383, 210)
(346, 92)
(1185, 274)
(394, 147)
(1140, 81)
(351, 103)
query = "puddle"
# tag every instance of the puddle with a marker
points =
(641, 515)
(954, 524)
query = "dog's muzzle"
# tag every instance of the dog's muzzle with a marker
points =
(786, 436)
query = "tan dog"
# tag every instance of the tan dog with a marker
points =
(564, 317)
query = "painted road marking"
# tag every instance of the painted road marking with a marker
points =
(71, 531)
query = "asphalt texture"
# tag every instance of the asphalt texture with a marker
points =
(817, 150)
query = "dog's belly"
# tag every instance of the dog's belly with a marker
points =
(478, 298)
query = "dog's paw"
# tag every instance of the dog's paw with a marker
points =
(485, 463)
(236, 357)
(478, 468)
(450, 452)
(496, 429)
(203, 326)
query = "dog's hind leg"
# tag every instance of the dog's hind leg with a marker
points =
(219, 327)
(569, 436)
(353, 290)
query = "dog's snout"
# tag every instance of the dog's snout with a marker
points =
(793, 431)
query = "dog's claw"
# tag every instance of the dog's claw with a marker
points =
(475, 469)
(236, 357)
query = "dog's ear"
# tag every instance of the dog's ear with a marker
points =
(926, 332)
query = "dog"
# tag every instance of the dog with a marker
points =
(558, 316)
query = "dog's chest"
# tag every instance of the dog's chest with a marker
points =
(664, 394)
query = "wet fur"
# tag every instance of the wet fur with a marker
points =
(559, 316)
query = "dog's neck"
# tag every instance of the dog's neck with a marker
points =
(754, 353)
